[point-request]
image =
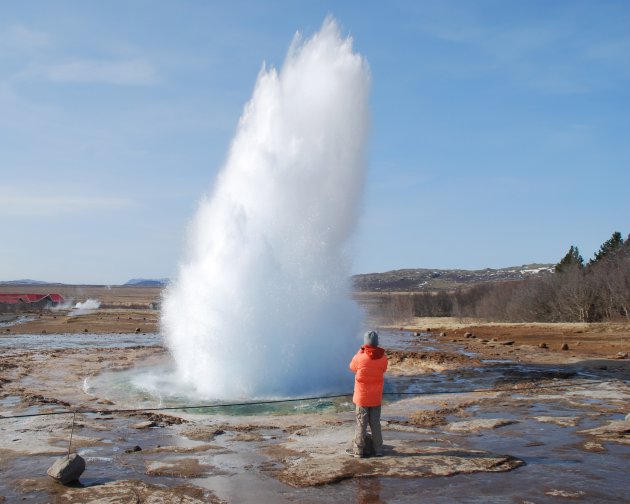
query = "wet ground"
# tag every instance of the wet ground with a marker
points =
(464, 422)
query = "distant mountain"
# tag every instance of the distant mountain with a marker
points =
(413, 280)
(144, 282)
(25, 281)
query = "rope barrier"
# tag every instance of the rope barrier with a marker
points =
(299, 399)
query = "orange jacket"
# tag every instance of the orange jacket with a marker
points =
(369, 366)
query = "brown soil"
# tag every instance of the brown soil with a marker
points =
(526, 341)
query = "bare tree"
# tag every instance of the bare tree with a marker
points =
(576, 295)
(400, 307)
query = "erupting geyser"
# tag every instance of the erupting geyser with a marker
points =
(261, 306)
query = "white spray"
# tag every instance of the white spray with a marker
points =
(261, 306)
(85, 308)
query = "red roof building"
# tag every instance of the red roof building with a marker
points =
(31, 300)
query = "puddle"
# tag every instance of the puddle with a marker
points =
(152, 387)
(406, 340)
(86, 340)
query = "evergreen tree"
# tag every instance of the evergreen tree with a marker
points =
(609, 248)
(572, 258)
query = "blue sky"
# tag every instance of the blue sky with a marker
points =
(499, 128)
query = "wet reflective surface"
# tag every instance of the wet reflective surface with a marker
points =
(86, 340)
(544, 413)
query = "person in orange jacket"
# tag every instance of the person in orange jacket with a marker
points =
(369, 366)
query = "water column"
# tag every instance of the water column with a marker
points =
(261, 304)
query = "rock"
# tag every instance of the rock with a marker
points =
(143, 425)
(133, 449)
(507, 343)
(137, 329)
(468, 335)
(468, 426)
(401, 461)
(428, 329)
(628, 417)
(417, 333)
(139, 491)
(443, 335)
(622, 355)
(543, 345)
(85, 330)
(564, 346)
(67, 469)
(617, 431)
(595, 447)
(558, 420)
(554, 492)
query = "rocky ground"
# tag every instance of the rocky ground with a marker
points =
(507, 419)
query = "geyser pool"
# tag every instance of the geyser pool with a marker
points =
(261, 304)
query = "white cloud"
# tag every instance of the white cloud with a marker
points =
(552, 54)
(130, 72)
(21, 38)
(20, 202)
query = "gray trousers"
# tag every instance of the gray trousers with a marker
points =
(368, 416)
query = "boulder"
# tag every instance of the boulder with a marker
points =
(67, 469)
(543, 345)
(564, 346)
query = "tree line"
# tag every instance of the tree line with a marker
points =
(598, 290)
